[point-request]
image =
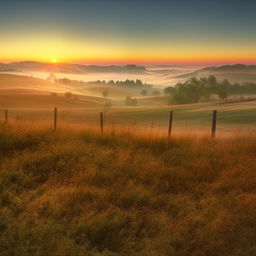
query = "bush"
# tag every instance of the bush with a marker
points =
(223, 95)
(105, 93)
(130, 102)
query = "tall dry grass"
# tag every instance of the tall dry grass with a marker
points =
(126, 192)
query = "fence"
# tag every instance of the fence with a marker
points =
(102, 123)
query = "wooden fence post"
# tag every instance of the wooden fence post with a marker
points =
(55, 118)
(214, 123)
(6, 116)
(170, 124)
(101, 122)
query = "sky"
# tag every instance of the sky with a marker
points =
(193, 32)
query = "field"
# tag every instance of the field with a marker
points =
(234, 73)
(232, 117)
(61, 193)
(32, 100)
(130, 190)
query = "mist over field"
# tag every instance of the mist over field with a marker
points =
(127, 128)
(157, 75)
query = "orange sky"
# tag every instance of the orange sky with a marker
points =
(72, 51)
(201, 32)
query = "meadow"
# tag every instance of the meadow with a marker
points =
(77, 192)
(131, 190)
(233, 118)
(32, 100)
(127, 128)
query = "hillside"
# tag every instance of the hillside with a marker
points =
(41, 86)
(62, 194)
(10, 81)
(30, 90)
(36, 100)
(234, 73)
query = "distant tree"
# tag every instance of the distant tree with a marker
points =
(223, 95)
(205, 94)
(186, 93)
(211, 82)
(105, 93)
(169, 90)
(139, 83)
(111, 83)
(225, 85)
(54, 94)
(130, 102)
(144, 92)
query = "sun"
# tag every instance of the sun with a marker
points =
(54, 60)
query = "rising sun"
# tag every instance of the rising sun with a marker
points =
(54, 60)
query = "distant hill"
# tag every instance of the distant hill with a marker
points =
(235, 73)
(70, 68)
(16, 84)
(28, 92)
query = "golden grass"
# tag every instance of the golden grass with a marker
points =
(126, 192)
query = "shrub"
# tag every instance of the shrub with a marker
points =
(130, 102)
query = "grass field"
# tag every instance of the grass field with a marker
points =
(30, 99)
(61, 193)
(235, 117)
(32, 85)
(129, 191)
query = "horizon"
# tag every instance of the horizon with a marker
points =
(127, 64)
(119, 32)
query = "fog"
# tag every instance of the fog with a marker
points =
(159, 76)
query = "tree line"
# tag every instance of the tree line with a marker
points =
(195, 90)
(126, 83)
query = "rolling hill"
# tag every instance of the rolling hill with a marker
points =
(234, 73)
(41, 86)
(28, 92)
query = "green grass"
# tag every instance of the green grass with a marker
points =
(74, 192)
(238, 114)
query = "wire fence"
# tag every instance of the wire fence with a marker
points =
(99, 119)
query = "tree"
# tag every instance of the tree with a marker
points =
(139, 83)
(169, 90)
(189, 92)
(212, 82)
(225, 84)
(105, 93)
(130, 102)
(111, 83)
(205, 94)
(223, 95)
